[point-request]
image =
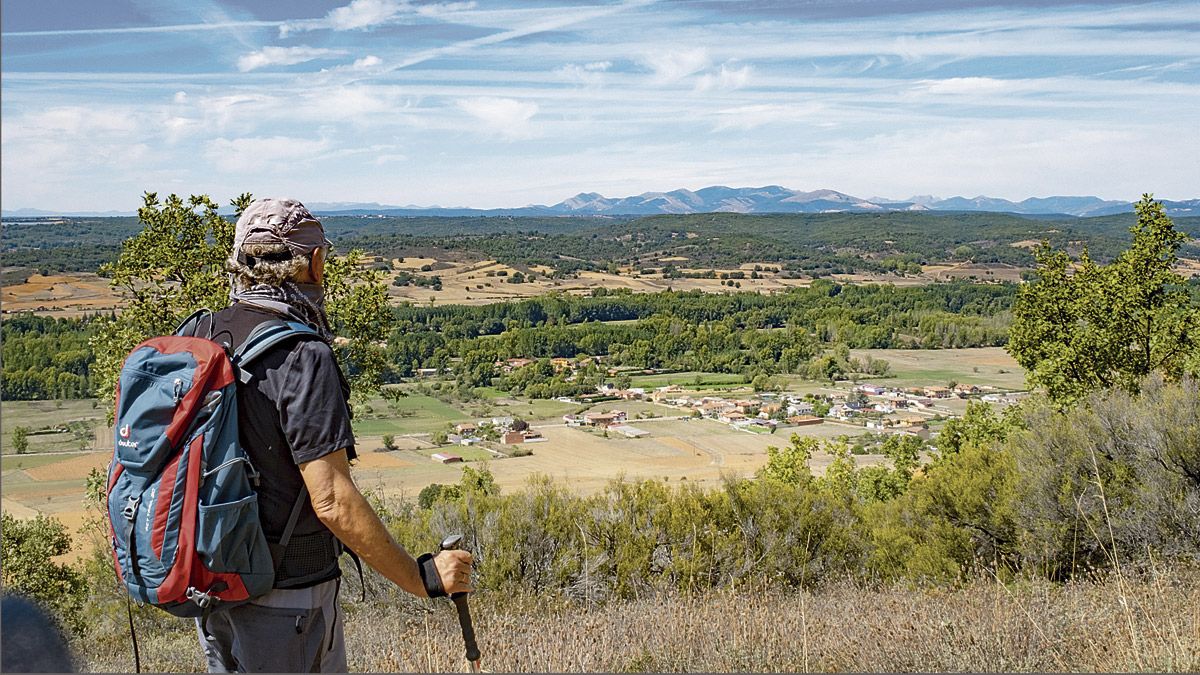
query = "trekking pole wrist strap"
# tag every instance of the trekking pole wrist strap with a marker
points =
(430, 577)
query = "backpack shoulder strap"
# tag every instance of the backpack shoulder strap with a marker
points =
(267, 335)
(191, 325)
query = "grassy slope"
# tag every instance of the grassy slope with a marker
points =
(981, 626)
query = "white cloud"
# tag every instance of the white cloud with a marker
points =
(672, 66)
(283, 56)
(728, 78)
(280, 154)
(180, 97)
(366, 14)
(505, 116)
(969, 86)
(444, 8)
(367, 62)
(363, 14)
(748, 117)
(588, 73)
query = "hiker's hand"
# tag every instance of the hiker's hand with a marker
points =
(454, 567)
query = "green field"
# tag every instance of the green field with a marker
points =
(413, 414)
(42, 418)
(469, 454)
(636, 408)
(917, 367)
(30, 461)
(688, 379)
(502, 404)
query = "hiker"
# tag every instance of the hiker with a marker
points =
(294, 422)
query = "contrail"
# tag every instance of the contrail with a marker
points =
(538, 27)
(177, 28)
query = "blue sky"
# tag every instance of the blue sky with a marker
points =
(503, 104)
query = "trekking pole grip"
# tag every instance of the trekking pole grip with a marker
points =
(450, 543)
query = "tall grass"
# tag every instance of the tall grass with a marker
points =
(982, 625)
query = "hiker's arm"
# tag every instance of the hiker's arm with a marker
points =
(344, 510)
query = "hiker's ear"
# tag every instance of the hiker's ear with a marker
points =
(316, 265)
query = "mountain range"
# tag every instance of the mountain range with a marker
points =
(768, 199)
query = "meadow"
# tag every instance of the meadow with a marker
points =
(919, 367)
(983, 625)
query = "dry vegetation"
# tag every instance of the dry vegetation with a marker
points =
(697, 452)
(1111, 625)
(68, 295)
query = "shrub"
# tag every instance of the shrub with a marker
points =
(29, 547)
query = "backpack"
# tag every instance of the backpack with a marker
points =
(182, 509)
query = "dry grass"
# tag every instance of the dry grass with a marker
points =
(981, 271)
(983, 626)
(65, 295)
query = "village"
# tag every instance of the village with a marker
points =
(852, 408)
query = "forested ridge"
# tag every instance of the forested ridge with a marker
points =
(46, 358)
(747, 333)
(815, 244)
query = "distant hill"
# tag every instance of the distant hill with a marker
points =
(769, 199)
(722, 199)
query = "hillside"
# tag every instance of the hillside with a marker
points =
(799, 244)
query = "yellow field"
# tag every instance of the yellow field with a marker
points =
(469, 283)
(695, 451)
(699, 451)
(982, 272)
(65, 295)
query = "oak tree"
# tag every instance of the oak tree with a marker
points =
(1083, 326)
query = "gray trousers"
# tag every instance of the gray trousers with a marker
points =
(295, 630)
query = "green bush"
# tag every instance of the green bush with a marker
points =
(29, 547)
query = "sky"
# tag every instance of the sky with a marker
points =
(504, 104)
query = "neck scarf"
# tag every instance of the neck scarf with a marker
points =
(300, 302)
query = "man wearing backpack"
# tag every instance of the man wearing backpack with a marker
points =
(294, 423)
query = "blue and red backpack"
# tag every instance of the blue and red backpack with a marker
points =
(182, 509)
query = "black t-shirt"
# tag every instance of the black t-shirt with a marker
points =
(293, 410)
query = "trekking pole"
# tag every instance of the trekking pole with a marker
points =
(454, 542)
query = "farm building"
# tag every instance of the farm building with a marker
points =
(604, 419)
(804, 420)
(629, 431)
(513, 364)
(922, 433)
(911, 421)
(519, 437)
(665, 393)
(445, 457)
